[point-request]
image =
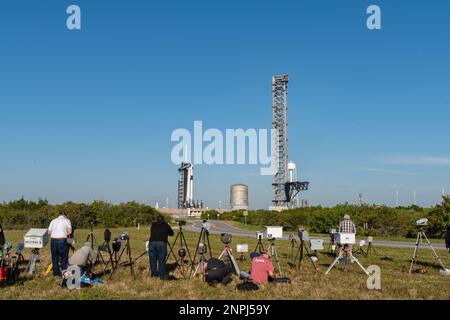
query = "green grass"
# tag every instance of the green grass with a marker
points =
(396, 282)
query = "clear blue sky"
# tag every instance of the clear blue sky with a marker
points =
(88, 114)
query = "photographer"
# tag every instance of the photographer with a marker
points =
(83, 257)
(447, 237)
(157, 251)
(2, 237)
(347, 226)
(262, 268)
(217, 271)
(59, 229)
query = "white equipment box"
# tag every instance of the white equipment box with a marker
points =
(316, 244)
(242, 248)
(274, 232)
(346, 238)
(36, 238)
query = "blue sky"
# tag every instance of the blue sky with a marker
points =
(88, 114)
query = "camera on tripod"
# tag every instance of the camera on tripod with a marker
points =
(303, 235)
(202, 249)
(259, 235)
(225, 238)
(124, 236)
(206, 225)
(181, 223)
(422, 223)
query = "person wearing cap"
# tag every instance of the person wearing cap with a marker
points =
(262, 268)
(157, 249)
(59, 229)
(347, 226)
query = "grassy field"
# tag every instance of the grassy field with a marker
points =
(394, 263)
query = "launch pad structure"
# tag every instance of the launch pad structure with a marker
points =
(285, 188)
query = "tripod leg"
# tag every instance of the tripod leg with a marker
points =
(183, 240)
(130, 259)
(209, 245)
(310, 259)
(171, 249)
(434, 251)
(196, 251)
(360, 265)
(334, 262)
(415, 253)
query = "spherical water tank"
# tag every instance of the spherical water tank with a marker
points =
(239, 197)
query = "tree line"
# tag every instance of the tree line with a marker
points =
(22, 214)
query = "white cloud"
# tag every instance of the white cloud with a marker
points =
(417, 160)
(387, 171)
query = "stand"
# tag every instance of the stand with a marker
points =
(204, 239)
(350, 256)
(229, 254)
(180, 261)
(420, 236)
(291, 258)
(259, 246)
(299, 256)
(274, 253)
(31, 266)
(117, 258)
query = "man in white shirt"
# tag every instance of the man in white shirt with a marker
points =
(60, 228)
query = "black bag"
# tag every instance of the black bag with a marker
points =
(247, 286)
(280, 280)
(217, 271)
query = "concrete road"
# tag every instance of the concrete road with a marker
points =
(218, 227)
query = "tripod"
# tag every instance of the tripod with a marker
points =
(229, 254)
(293, 245)
(420, 236)
(332, 245)
(105, 247)
(31, 266)
(259, 246)
(180, 261)
(204, 238)
(274, 253)
(350, 255)
(118, 257)
(299, 256)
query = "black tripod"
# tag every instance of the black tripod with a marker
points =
(118, 257)
(105, 247)
(299, 256)
(184, 248)
(259, 246)
(293, 246)
(203, 246)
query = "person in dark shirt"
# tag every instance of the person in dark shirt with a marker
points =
(157, 250)
(447, 237)
(2, 237)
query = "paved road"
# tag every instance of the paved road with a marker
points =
(218, 227)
